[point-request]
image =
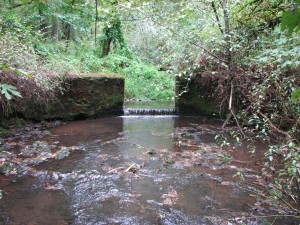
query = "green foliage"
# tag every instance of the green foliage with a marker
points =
(143, 81)
(113, 33)
(8, 91)
(222, 140)
(4, 133)
(291, 19)
(23, 74)
(40, 39)
(277, 77)
(114, 62)
(296, 96)
(146, 82)
(287, 179)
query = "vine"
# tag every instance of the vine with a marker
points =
(113, 34)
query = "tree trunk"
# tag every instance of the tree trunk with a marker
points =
(106, 47)
(227, 34)
(67, 32)
(68, 27)
(231, 67)
(43, 25)
(55, 28)
(96, 19)
(217, 16)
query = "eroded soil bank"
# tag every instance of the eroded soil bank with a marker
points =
(137, 170)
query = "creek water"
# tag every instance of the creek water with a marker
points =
(138, 170)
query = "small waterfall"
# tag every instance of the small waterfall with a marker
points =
(146, 111)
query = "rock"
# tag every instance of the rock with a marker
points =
(36, 148)
(5, 147)
(62, 153)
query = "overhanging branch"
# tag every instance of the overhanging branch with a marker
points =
(19, 5)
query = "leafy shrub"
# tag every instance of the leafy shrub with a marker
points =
(286, 181)
(269, 93)
(24, 73)
(143, 81)
(4, 133)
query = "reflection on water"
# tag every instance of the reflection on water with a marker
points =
(126, 175)
(150, 104)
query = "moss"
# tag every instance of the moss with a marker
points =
(200, 99)
(94, 75)
(4, 133)
(19, 122)
(86, 96)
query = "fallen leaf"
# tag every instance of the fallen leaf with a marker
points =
(168, 201)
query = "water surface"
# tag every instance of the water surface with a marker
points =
(136, 170)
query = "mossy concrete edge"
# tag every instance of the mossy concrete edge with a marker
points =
(83, 96)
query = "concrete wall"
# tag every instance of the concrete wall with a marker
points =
(85, 96)
(199, 96)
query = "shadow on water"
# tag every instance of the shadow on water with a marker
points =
(134, 170)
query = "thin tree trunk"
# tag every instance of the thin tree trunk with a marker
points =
(43, 25)
(55, 28)
(217, 16)
(67, 34)
(96, 19)
(106, 47)
(227, 34)
(231, 68)
(67, 29)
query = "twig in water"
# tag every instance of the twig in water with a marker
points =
(132, 165)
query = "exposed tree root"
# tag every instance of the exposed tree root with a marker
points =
(274, 127)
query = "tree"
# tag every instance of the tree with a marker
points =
(112, 31)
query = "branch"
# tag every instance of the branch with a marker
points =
(189, 40)
(19, 5)
(274, 127)
(232, 113)
(184, 38)
(237, 123)
(217, 16)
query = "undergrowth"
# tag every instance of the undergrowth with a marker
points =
(31, 71)
(142, 81)
(24, 79)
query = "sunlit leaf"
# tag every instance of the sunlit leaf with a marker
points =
(291, 21)
(296, 96)
(8, 91)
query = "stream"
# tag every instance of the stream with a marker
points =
(158, 169)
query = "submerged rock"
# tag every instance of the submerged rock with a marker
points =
(36, 148)
(62, 153)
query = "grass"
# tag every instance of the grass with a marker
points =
(4, 133)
